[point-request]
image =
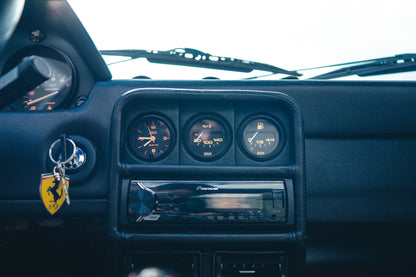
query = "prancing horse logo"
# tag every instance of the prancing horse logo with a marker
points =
(53, 190)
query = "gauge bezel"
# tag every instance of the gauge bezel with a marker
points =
(207, 116)
(277, 125)
(143, 117)
(42, 51)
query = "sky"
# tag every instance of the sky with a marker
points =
(289, 34)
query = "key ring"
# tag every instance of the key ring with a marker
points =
(74, 147)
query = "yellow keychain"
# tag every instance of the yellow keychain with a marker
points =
(52, 192)
(53, 187)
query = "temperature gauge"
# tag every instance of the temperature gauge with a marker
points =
(207, 137)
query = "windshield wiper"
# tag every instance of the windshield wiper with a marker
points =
(388, 65)
(196, 58)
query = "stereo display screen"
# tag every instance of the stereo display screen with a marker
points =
(230, 201)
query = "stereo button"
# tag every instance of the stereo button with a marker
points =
(279, 212)
(278, 202)
(262, 217)
(220, 217)
(192, 218)
(252, 217)
(172, 217)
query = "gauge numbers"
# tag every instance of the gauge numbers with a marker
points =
(261, 138)
(151, 138)
(207, 138)
(52, 93)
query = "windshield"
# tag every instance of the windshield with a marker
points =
(293, 35)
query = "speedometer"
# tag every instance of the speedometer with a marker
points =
(207, 137)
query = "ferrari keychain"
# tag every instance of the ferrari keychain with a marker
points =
(54, 186)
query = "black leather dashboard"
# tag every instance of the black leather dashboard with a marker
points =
(350, 149)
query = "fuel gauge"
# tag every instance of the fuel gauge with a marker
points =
(261, 138)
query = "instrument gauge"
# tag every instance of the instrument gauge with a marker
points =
(261, 138)
(52, 93)
(151, 138)
(207, 137)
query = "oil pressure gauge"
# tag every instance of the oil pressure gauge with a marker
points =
(261, 137)
(207, 137)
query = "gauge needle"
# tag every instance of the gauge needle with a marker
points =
(199, 136)
(147, 143)
(41, 98)
(251, 139)
(143, 138)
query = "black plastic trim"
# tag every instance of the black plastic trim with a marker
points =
(36, 208)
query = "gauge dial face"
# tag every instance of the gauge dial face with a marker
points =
(49, 94)
(261, 138)
(207, 138)
(151, 138)
(54, 91)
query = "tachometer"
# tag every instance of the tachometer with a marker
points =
(261, 137)
(207, 137)
(52, 93)
(151, 138)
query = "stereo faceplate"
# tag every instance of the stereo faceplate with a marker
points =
(207, 202)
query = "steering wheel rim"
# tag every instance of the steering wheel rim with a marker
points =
(10, 12)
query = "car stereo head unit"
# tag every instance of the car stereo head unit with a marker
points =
(207, 201)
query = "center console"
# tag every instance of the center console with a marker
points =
(208, 183)
(216, 202)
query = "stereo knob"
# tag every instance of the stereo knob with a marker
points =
(142, 200)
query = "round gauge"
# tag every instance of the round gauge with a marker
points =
(54, 91)
(261, 137)
(151, 138)
(207, 137)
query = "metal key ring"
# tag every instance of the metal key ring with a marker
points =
(70, 158)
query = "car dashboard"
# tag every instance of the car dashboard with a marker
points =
(205, 177)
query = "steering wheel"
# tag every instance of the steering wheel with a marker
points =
(10, 12)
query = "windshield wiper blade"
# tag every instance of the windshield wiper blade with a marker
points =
(196, 58)
(388, 65)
